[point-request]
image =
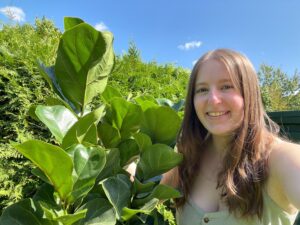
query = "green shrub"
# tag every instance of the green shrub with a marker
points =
(133, 77)
(20, 86)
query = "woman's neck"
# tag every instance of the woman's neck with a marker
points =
(217, 146)
(214, 152)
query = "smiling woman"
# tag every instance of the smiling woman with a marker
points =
(236, 169)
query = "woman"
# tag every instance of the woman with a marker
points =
(236, 170)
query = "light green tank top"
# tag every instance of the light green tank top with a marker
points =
(191, 214)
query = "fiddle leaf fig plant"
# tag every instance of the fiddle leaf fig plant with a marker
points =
(85, 172)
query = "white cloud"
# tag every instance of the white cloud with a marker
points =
(13, 13)
(101, 26)
(190, 45)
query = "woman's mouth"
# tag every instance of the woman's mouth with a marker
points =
(217, 114)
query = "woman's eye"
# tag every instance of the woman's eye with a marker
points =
(201, 90)
(225, 87)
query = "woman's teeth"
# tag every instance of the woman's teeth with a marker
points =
(216, 113)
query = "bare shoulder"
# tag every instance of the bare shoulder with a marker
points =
(283, 154)
(284, 166)
(171, 178)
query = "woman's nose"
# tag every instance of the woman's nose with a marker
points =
(214, 97)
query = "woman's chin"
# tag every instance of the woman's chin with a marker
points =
(221, 132)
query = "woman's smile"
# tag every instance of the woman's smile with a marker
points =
(217, 114)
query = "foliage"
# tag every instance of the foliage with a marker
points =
(166, 213)
(133, 77)
(279, 91)
(84, 175)
(20, 85)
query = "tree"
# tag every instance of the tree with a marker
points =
(279, 91)
(134, 77)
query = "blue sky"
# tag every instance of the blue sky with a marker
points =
(179, 32)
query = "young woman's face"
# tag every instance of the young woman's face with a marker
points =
(218, 104)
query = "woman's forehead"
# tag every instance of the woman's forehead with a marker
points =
(212, 69)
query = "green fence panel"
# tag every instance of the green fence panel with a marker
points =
(289, 122)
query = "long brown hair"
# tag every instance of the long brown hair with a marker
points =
(245, 163)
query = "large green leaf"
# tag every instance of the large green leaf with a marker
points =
(70, 219)
(57, 118)
(84, 129)
(128, 151)
(146, 101)
(143, 140)
(125, 116)
(118, 192)
(49, 76)
(52, 209)
(51, 101)
(161, 124)
(70, 22)
(46, 194)
(156, 160)
(112, 166)
(88, 163)
(84, 60)
(40, 174)
(99, 212)
(110, 93)
(90, 137)
(109, 135)
(53, 161)
(49, 202)
(140, 187)
(25, 212)
(161, 192)
(146, 209)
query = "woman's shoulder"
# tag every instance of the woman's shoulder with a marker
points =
(284, 174)
(283, 152)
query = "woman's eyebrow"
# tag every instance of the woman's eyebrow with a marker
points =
(200, 84)
(225, 80)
